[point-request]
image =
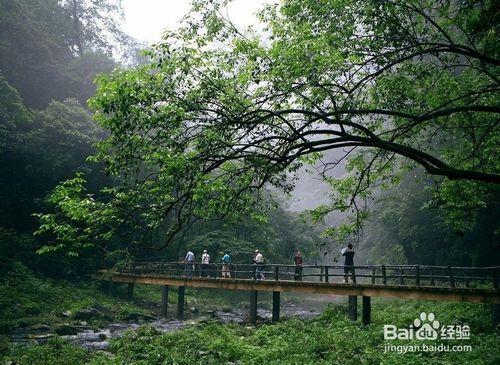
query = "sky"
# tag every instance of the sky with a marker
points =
(146, 20)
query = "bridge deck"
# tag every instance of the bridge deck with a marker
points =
(458, 294)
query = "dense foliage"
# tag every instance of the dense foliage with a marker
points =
(405, 228)
(219, 114)
(329, 339)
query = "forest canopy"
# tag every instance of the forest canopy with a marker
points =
(220, 114)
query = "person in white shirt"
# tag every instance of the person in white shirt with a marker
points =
(205, 264)
(189, 261)
(258, 262)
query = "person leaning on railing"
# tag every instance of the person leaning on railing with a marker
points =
(226, 265)
(205, 264)
(259, 265)
(189, 263)
(297, 259)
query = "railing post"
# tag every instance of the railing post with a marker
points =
(450, 274)
(326, 274)
(254, 269)
(417, 273)
(277, 273)
(495, 278)
(466, 278)
(384, 277)
(353, 273)
(374, 271)
(321, 274)
(401, 278)
(432, 276)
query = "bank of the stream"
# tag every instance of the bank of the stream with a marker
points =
(327, 339)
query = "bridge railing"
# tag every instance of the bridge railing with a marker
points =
(404, 275)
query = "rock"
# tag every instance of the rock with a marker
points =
(137, 317)
(106, 312)
(102, 336)
(4, 346)
(194, 310)
(106, 353)
(97, 311)
(40, 327)
(66, 329)
(39, 337)
(88, 313)
(66, 314)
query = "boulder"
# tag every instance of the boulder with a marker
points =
(66, 329)
(88, 313)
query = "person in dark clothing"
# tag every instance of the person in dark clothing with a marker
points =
(348, 252)
(297, 259)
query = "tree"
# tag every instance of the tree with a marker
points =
(403, 230)
(43, 148)
(95, 25)
(48, 54)
(219, 114)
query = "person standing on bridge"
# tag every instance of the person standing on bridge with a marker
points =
(259, 264)
(226, 265)
(205, 264)
(189, 261)
(297, 259)
(348, 252)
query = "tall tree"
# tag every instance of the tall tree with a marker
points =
(219, 114)
(49, 52)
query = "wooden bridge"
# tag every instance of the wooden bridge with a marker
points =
(444, 283)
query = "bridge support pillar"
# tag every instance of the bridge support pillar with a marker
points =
(180, 303)
(367, 305)
(276, 306)
(253, 306)
(112, 288)
(130, 291)
(495, 314)
(353, 307)
(105, 287)
(164, 300)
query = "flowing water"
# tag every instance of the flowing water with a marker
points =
(98, 339)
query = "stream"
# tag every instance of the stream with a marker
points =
(98, 339)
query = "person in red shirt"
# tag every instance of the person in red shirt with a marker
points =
(297, 259)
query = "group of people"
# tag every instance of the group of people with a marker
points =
(206, 267)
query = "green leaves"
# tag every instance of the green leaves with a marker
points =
(79, 224)
(219, 114)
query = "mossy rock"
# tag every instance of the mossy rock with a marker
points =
(66, 329)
